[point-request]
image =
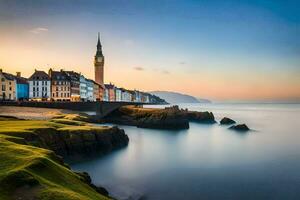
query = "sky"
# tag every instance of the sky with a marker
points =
(219, 50)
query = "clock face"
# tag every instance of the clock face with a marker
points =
(99, 59)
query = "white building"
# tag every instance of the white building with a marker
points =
(126, 96)
(137, 96)
(118, 93)
(39, 86)
(83, 88)
(90, 90)
(106, 95)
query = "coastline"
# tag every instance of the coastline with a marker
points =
(34, 152)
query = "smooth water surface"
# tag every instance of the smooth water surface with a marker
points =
(208, 161)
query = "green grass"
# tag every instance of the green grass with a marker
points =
(30, 171)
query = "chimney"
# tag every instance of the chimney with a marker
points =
(18, 74)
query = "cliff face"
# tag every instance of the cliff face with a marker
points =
(28, 170)
(77, 142)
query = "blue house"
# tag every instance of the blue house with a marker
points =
(22, 89)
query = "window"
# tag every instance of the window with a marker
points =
(33, 94)
(56, 94)
(33, 82)
(37, 89)
(3, 88)
(34, 89)
(9, 82)
(53, 94)
(37, 83)
(10, 89)
(61, 94)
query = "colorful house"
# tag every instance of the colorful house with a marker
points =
(90, 90)
(22, 90)
(74, 84)
(60, 85)
(39, 86)
(7, 86)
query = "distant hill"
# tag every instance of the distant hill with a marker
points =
(175, 97)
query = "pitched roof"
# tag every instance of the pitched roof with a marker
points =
(109, 86)
(39, 75)
(73, 75)
(21, 80)
(59, 75)
(8, 76)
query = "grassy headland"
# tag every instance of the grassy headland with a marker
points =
(30, 170)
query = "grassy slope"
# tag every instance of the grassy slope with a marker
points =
(32, 171)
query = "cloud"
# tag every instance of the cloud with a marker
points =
(139, 68)
(182, 62)
(165, 72)
(38, 30)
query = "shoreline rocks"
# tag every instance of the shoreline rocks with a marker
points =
(227, 121)
(240, 127)
(171, 118)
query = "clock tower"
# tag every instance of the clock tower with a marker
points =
(99, 64)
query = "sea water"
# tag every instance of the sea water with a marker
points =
(208, 161)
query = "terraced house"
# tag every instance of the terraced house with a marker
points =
(75, 85)
(7, 86)
(60, 85)
(39, 86)
(22, 89)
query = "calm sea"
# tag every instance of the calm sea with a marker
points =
(208, 161)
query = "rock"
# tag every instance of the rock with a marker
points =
(226, 121)
(240, 127)
(200, 117)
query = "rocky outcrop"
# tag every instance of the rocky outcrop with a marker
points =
(76, 143)
(240, 127)
(227, 121)
(168, 118)
(148, 118)
(200, 117)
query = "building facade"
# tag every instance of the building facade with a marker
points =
(111, 92)
(22, 89)
(89, 90)
(39, 86)
(7, 86)
(83, 88)
(118, 93)
(126, 96)
(74, 84)
(60, 85)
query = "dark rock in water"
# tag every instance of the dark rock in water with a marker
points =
(226, 121)
(169, 118)
(200, 117)
(163, 122)
(240, 127)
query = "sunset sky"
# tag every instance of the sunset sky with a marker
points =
(220, 50)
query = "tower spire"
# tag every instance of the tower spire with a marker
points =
(99, 47)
